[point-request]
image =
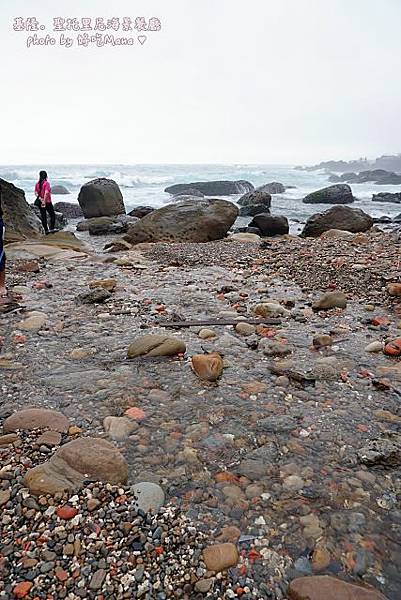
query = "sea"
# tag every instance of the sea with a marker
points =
(143, 185)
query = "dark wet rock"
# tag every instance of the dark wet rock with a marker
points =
(387, 197)
(107, 225)
(21, 220)
(338, 217)
(254, 230)
(141, 211)
(69, 210)
(334, 194)
(270, 225)
(188, 221)
(378, 176)
(188, 191)
(383, 219)
(101, 198)
(255, 198)
(272, 188)
(397, 219)
(59, 189)
(252, 210)
(212, 188)
(95, 296)
(384, 452)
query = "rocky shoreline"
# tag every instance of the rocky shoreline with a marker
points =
(290, 451)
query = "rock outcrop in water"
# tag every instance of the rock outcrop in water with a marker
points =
(334, 194)
(338, 217)
(387, 197)
(272, 188)
(60, 189)
(199, 220)
(212, 188)
(69, 210)
(19, 216)
(101, 198)
(377, 176)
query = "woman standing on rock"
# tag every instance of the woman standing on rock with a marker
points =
(43, 201)
(3, 291)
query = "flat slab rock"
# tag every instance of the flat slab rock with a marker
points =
(71, 465)
(36, 418)
(324, 587)
(156, 345)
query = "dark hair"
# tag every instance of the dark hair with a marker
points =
(42, 178)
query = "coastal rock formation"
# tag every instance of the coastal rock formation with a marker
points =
(387, 197)
(74, 463)
(337, 217)
(101, 198)
(334, 194)
(272, 188)
(188, 191)
(270, 225)
(200, 220)
(107, 225)
(252, 210)
(325, 587)
(212, 188)
(378, 176)
(69, 210)
(19, 216)
(59, 189)
(254, 198)
(140, 211)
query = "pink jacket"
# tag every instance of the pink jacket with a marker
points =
(46, 193)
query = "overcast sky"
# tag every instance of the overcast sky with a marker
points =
(264, 81)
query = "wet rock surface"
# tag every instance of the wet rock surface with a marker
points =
(295, 450)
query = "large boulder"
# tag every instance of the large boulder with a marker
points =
(69, 210)
(387, 197)
(340, 193)
(107, 225)
(272, 188)
(189, 191)
(337, 217)
(256, 197)
(252, 210)
(19, 217)
(59, 189)
(200, 220)
(270, 225)
(101, 198)
(140, 211)
(212, 188)
(325, 587)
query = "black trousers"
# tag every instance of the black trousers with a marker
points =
(50, 209)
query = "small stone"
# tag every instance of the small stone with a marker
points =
(97, 580)
(324, 587)
(36, 418)
(220, 557)
(245, 329)
(119, 428)
(93, 504)
(156, 345)
(321, 341)
(331, 300)
(229, 534)
(49, 438)
(293, 483)
(374, 347)
(271, 309)
(96, 296)
(33, 323)
(150, 496)
(394, 289)
(61, 574)
(208, 366)
(6, 440)
(4, 497)
(106, 284)
(74, 430)
(204, 585)
(206, 334)
(321, 559)
(66, 512)
(22, 589)
(272, 348)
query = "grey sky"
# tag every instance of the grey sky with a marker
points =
(268, 81)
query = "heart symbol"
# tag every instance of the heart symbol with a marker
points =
(142, 39)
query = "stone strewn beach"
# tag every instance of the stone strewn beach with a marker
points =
(275, 435)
